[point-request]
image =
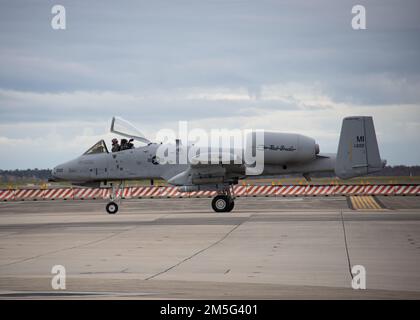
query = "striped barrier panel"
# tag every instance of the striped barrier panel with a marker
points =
(260, 191)
(7, 195)
(290, 191)
(89, 193)
(377, 190)
(59, 193)
(171, 192)
(407, 190)
(349, 190)
(319, 190)
(146, 192)
(125, 193)
(201, 193)
(29, 194)
(239, 191)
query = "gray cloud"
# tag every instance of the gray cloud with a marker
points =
(165, 61)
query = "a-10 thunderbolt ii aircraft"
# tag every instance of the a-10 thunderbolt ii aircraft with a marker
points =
(283, 153)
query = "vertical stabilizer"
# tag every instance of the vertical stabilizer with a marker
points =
(358, 152)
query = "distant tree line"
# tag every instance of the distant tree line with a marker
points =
(28, 175)
(399, 171)
(38, 175)
(388, 171)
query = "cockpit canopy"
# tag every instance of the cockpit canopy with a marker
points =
(99, 147)
(126, 129)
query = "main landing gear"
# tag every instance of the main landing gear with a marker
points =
(115, 198)
(224, 202)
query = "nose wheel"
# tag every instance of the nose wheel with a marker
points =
(112, 207)
(223, 203)
(115, 196)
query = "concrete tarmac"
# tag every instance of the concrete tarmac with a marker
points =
(267, 248)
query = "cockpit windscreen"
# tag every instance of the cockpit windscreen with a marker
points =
(99, 147)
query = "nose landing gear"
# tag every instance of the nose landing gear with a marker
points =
(115, 196)
(112, 207)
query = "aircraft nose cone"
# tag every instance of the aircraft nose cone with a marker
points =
(57, 172)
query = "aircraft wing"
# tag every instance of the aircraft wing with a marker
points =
(208, 174)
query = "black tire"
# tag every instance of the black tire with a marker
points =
(231, 205)
(222, 203)
(112, 208)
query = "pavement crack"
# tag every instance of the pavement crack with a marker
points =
(196, 253)
(65, 249)
(345, 243)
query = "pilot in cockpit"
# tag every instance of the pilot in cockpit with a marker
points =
(130, 144)
(123, 144)
(115, 145)
(126, 144)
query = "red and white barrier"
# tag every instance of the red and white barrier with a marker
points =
(201, 193)
(29, 194)
(379, 190)
(289, 190)
(349, 190)
(407, 190)
(171, 192)
(145, 192)
(89, 193)
(240, 191)
(7, 195)
(261, 191)
(125, 193)
(59, 193)
(319, 190)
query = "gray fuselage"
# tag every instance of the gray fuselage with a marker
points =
(140, 163)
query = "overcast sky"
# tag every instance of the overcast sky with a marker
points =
(292, 66)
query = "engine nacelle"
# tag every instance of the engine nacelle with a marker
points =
(285, 148)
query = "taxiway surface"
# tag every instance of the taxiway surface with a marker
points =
(267, 248)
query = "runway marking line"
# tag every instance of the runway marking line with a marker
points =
(365, 203)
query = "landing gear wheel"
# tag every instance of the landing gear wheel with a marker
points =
(222, 203)
(112, 207)
(231, 205)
